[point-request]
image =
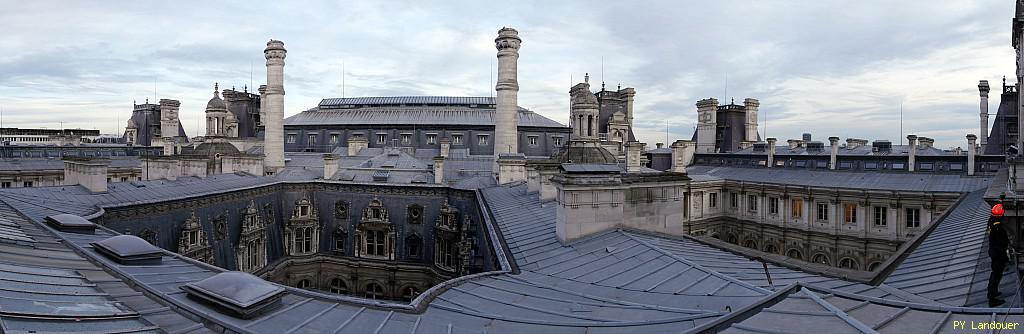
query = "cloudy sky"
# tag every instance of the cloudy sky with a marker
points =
(833, 68)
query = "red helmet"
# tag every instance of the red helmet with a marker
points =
(997, 210)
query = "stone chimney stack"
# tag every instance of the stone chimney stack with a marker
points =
(273, 142)
(983, 89)
(834, 141)
(439, 169)
(911, 152)
(707, 110)
(506, 116)
(771, 152)
(794, 143)
(751, 106)
(330, 165)
(91, 173)
(659, 145)
(971, 151)
(633, 151)
(511, 168)
(356, 144)
(446, 146)
(852, 143)
(682, 155)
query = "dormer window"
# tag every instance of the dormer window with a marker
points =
(375, 235)
(303, 230)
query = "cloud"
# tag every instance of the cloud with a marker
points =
(828, 67)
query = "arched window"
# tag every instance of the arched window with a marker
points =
(409, 293)
(732, 240)
(298, 239)
(771, 249)
(821, 258)
(750, 244)
(590, 125)
(303, 284)
(874, 265)
(848, 263)
(374, 291)
(338, 286)
(793, 253)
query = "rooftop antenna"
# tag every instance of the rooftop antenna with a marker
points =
(901, 122)
(726, 96)
(602, 73)
(342, 78)
(250, 76)
(666, 133)
(490, 78)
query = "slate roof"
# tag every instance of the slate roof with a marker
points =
(406, 100)
(864, 150)
(753, 272)
(39, 202)
(617, 281)
(951, 264)
(426, 110)
(45, 287)
(614, 282)
(30, 164)
(800, 309)
(847, 179)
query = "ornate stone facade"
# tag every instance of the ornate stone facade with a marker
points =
(251, 251)
(375, 234)
(192, 241)
(302, 233)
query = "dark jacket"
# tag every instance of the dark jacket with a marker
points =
(997, 240)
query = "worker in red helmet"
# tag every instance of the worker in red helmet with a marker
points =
(997, 244)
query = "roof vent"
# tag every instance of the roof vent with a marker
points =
(71, 223)
(881, 146)
(760, 147)
(238, 294)
(381, 176)
(815, 146)
(129, 250)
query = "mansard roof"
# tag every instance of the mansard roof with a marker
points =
(866, 180)
(615, 281)
(412, 110)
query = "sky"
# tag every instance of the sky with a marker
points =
(831, 68)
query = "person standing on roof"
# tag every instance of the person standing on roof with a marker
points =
(997, 244)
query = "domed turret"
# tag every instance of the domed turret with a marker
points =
(216, 103)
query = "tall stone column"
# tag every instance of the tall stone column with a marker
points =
(506, 116)
(273, 100)
(911, 152)
(833, 156)
(983, 89)
(971, 151)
